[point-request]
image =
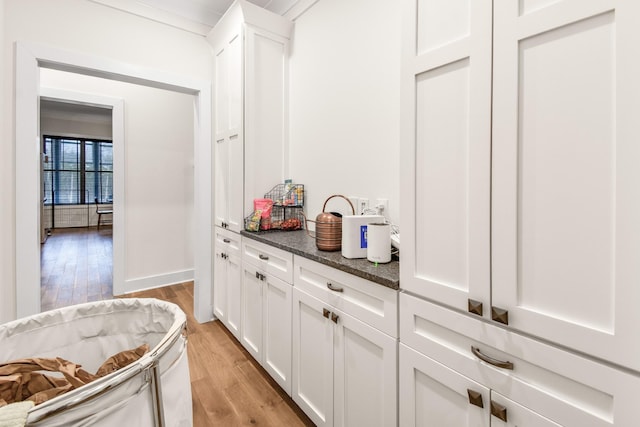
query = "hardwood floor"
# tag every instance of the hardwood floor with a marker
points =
(229, 387)
(76, 266)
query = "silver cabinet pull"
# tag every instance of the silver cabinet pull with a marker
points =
(495, 362)
(333, 288)
(263, 257)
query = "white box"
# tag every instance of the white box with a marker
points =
(354, 234)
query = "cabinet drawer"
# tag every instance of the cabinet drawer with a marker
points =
(272, 261)
(564, 387)
(369, 302)
(227, 241)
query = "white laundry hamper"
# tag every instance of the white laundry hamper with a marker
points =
(153, 391)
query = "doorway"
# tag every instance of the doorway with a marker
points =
(30, 59)
(76, 258)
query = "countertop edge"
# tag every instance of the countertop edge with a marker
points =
(268, 238)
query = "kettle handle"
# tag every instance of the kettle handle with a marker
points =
(353, 210)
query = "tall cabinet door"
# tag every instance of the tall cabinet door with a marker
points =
(446, 143)
(266, 83)
(565, 189)
(228, 123)
(362, 398)
(434, 395)
(312, 358)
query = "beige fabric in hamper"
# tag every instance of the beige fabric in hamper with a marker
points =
(15, 415)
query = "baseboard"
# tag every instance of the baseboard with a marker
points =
(150, 282)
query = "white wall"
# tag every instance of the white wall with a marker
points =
(93, 29)
(345, 94)
(158, 171)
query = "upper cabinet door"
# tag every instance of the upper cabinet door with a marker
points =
(446, 150)
(266, 83)
(566, 175)
(228, 121)
(228, 69)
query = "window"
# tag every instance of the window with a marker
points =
(77, 170)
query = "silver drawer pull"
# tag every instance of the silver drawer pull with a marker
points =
(333, 288)
(263, 257)
(491, 360)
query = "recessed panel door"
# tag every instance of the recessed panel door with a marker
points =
(445, 151)
(565, 193)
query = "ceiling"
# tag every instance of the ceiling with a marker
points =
(197, 16)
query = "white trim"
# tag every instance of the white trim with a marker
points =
(29, 58)
(158, 15)
(151, 282)
(117, 119)
(299, 8)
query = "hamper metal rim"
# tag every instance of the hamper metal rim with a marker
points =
(109, 382)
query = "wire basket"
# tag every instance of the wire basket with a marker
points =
(287, 195)
(286, 212)
(287, 218)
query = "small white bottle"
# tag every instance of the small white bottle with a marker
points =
(379, 242)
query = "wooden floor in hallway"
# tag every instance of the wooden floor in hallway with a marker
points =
(228, 387)
(76, 266)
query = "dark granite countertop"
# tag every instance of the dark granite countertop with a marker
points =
(300, 243)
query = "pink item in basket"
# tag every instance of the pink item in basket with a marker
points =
(265, 205)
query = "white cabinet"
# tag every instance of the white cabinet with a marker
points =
(275, 262)
(537, 384)
(566, 235)
(228, 127)
(227, 279)
(369, 302)
(250, 47)
(446, 150)
(344, 369)
(433, 394)
(251, 331)
(312, 358)
(521, 204)
(266, 310)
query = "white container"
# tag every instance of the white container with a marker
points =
(379, 242)
(354, 234)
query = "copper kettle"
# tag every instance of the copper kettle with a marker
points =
(329, 227)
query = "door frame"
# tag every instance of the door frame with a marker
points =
(30, 57)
